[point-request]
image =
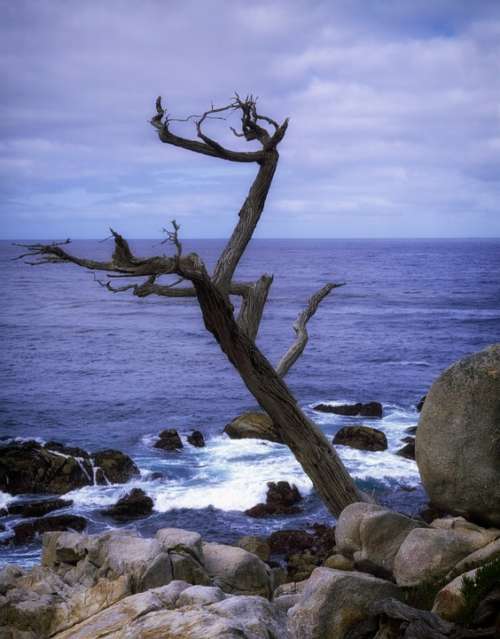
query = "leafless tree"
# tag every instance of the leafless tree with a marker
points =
(235, 334)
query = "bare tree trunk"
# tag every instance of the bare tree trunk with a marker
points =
(310, 447)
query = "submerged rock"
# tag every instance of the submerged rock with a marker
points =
(196, 439)
(29, 467)
(37, 508)
(408, 450)
(28, 530)
(281, 499)
(169, 440)
(133, 505)
(253, 425)
(420, 404)
(371, 409)
(361, 437)
(458, 438)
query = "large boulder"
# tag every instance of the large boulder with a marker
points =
(30, 467)
(333, 601)
(253, 425)
(373, 535)
(361, 437)
(430, 553)
(458, 438)
(236, 571)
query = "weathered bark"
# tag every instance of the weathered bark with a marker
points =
(310, 447)
(235, 337)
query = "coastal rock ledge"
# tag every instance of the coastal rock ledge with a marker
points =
(32, 468)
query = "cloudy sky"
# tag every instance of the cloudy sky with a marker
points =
(394, 112)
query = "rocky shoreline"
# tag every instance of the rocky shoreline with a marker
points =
(379, 570)
(378, 574)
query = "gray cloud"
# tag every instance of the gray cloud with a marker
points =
(394, 106)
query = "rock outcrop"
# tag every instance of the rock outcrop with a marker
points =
(281, 499)
(361, 437)
(371, 409)
(133, 505)
(28, 530)
(196, 439)
(458, 438)
(37, 508)
(30, 467)
(169, 440)
(120, 586)
(253, 425)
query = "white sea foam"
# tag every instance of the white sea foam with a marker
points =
(5, 499)
(233, 474)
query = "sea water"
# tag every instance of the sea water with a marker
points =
(99, 370)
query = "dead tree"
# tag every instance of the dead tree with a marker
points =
(235, 334)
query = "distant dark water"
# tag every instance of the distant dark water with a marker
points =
(86, 367)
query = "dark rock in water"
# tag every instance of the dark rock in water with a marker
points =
(458, 438)
(361, 437)
(280, 500)
(408, 449)
(411, 430)
(408, 439)
(290, 542)
(133, 505)
(371, 409)
(38, 508)
(253, 425)
(25, 532)
(196, 439)
(74, 451)
(117, 467)
(29, 467)
(156, 475)
(169, 440)
(420, 404)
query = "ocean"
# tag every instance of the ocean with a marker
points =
(99, 370)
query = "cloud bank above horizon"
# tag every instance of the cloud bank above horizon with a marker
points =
(394, 116)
